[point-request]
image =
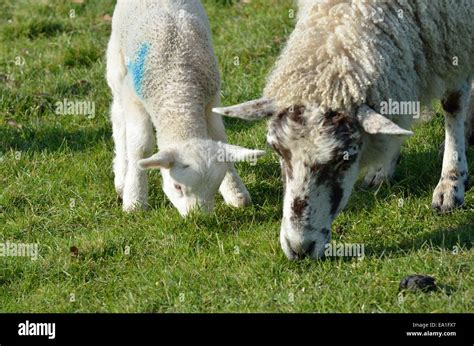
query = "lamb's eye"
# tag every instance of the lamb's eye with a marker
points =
(178, 187)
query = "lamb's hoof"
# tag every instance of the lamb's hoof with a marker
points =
(119, 191)
(132, 206)
(448, 195)
(239, 200)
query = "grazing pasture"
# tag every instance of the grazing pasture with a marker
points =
(57, 191)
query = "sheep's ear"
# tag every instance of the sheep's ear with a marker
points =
(375, 123)
(163, 159)
(251, 110)
(235, 153)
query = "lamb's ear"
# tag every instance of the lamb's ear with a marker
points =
(163, 159)
(251, 110)
(234, 153)
(375, 123)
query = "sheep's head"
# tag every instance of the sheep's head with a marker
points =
(319, 155)
(193, 170)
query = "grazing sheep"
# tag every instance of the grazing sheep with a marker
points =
(344, 65)
(162, 71)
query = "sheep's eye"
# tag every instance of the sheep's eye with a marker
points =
(178, 187)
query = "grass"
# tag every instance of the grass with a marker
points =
(56, 189)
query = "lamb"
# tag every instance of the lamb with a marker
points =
(343, 94)
(162, 71)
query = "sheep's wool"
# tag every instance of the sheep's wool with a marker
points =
(170, 59)
(344, 53)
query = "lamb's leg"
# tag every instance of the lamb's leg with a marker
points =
(232, 188)
(118, 134)
(140, 142)
(454, 175)
(116, 72)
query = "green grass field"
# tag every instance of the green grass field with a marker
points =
(56, 189)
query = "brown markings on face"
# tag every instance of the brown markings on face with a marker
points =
(298, 206)
(338, 125)
(342, 127)
(293, 113)
(451, 104)
(328, 175)
(285, 154)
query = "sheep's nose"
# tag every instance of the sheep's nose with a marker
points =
(299, 251)
(308, 248)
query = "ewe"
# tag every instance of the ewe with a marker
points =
(162, 71)
(343, 65)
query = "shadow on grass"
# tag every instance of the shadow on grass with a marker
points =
(451, 239)
(416, 176)
(235, 126)
(51, 138)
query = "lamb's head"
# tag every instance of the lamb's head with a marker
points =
(319, 153)
(193, 170)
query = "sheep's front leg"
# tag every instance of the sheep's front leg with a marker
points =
(386, 154)
(232, 188)
(140, 141)
(449, 192)
(118, 134)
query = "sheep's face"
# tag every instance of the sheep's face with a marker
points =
(192, 171)
(319, 155)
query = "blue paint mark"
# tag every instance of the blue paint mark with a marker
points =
(136, 68)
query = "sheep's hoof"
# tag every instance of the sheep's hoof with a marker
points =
(373, 180)
(448, 195)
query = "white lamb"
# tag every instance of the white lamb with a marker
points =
(342, 65)
(162, 71)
